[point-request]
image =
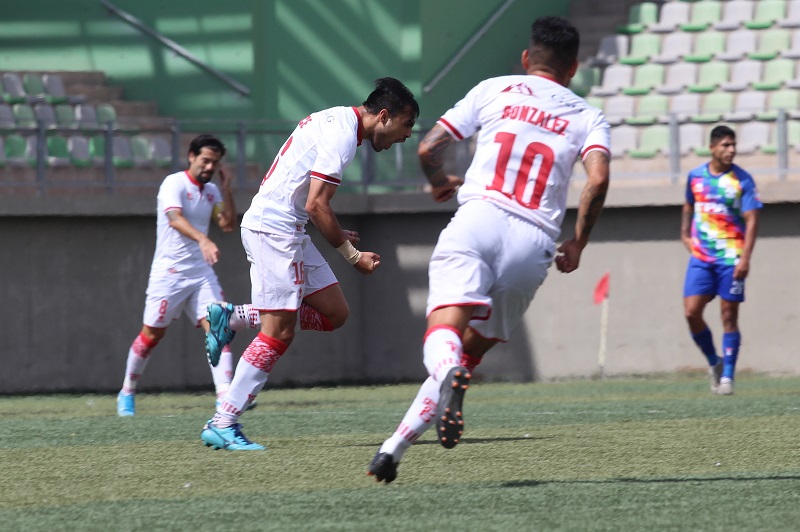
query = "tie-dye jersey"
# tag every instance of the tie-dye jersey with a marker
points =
(718, 226)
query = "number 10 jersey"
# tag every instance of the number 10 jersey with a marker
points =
(531, 132)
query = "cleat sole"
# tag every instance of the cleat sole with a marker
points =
(450, 424)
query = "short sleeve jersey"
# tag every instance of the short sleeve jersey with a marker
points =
(320, 147)
(174, 251)
(531, 132)
(718, 226)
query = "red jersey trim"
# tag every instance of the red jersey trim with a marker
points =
(173, 209)
(193, 180)
(439, 328)
(594, 147)
(326, 178)
(360, 133)
(449, 127)
(485, 338)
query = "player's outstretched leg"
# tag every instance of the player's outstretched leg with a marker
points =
(449, 414)
(230, 438)
(383, 467)
(219, 332)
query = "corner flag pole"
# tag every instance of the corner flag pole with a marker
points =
(601, 298)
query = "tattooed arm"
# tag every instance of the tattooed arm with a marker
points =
(591, 203)
(431, 157)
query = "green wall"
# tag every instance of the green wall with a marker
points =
(296, 56)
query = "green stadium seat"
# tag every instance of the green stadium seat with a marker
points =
(140, 148)
(106, 114)
(162, 152)
(617, 108)
(13, 91)
(734, 14)
(122, 154)
(710, 76)
(24, 116)
(65, 116)
(786, 99)
(78, 148)
(639, 17)
(713, 107)
(97, 149)
(57, 152)
(645, 79)
(34, 87)
(768, 12)
(653, 140)
(595, 101)
(585, 78)
(18, 151)
(704, 14)
(643, 47)
(706, 45)
(56, 94)
(7, 122)
(45, 115)
(623, 140)
(792, 138)
(650, 109)
(770, 44)
(610, 49)
(690, 138)
(776, 73)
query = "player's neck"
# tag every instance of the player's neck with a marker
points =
(718, 168)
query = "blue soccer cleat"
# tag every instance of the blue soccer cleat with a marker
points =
(219, 332)
(126, 404)
(230, 438)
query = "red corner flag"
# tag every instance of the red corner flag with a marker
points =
(601, 290)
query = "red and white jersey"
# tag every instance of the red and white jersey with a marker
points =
(532, 130)
(321, 147)
(175, 252)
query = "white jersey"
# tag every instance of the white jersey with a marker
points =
(532, 130)
(176, 253)
(321, 147)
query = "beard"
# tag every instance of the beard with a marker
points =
(205, 177)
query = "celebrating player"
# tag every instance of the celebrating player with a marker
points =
(718, 227)
(182, 277)
(492, 257)
(288, 274)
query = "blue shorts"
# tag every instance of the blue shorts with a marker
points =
(712, 279)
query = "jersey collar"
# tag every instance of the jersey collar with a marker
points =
(360, 126)
(197, 183)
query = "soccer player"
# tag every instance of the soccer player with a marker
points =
(492, 257)
(718, 227)
(288, 274)
(182, 277)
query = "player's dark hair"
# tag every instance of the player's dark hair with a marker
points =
(206, 141)
(554, 42)
(719, 133)
(392, 95)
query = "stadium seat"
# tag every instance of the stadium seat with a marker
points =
(734, 14)
(122, 154)
(792, 19)
(672, 15)
(678, 77)
(713, 107)
(767, 13)
(106, 114)
(653, 140)
(738, 44)
(97, 149)
(649, 110)
(748, 104)
(162, 152)
(614, 78)
(743, 75)
(57, 152)
(646, 78)
(710, 76)
(706, 47)
(690, 138)
(793, 51)
(596, 101)
(13, 91)
(770, 44)
(792, 138)
(673, 48)
(684, 106)
(45, 115)
(640, 16)
(78, 148)
(17, 153)
(23, 116)
(643, 47)
(7, 122)
(141, 151)
(54, 87)
(87, 117)
(623, 140)
(618, 107)
(704, 14)
(585, 78)
(65, 116)
(611, 48)
(775, 74)
(786, 99)
(751, 136)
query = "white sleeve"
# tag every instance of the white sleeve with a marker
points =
(335, 151)
(462, 120)
(170, 194)
(599, 137)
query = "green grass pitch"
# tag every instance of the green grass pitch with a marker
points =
(620, 454)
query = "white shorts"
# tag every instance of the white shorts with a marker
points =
(492, 259)
(284, 269)
(170, 293)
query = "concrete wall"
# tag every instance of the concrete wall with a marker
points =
(75, 272)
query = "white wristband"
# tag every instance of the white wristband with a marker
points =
(350, 253)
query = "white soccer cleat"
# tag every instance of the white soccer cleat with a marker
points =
(725, 386)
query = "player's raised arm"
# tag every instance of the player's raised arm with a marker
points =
(431, 157)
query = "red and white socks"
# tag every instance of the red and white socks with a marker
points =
(138, 355)
(442, 350)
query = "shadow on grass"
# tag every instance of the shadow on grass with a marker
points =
(531, 483)
(470, 441)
